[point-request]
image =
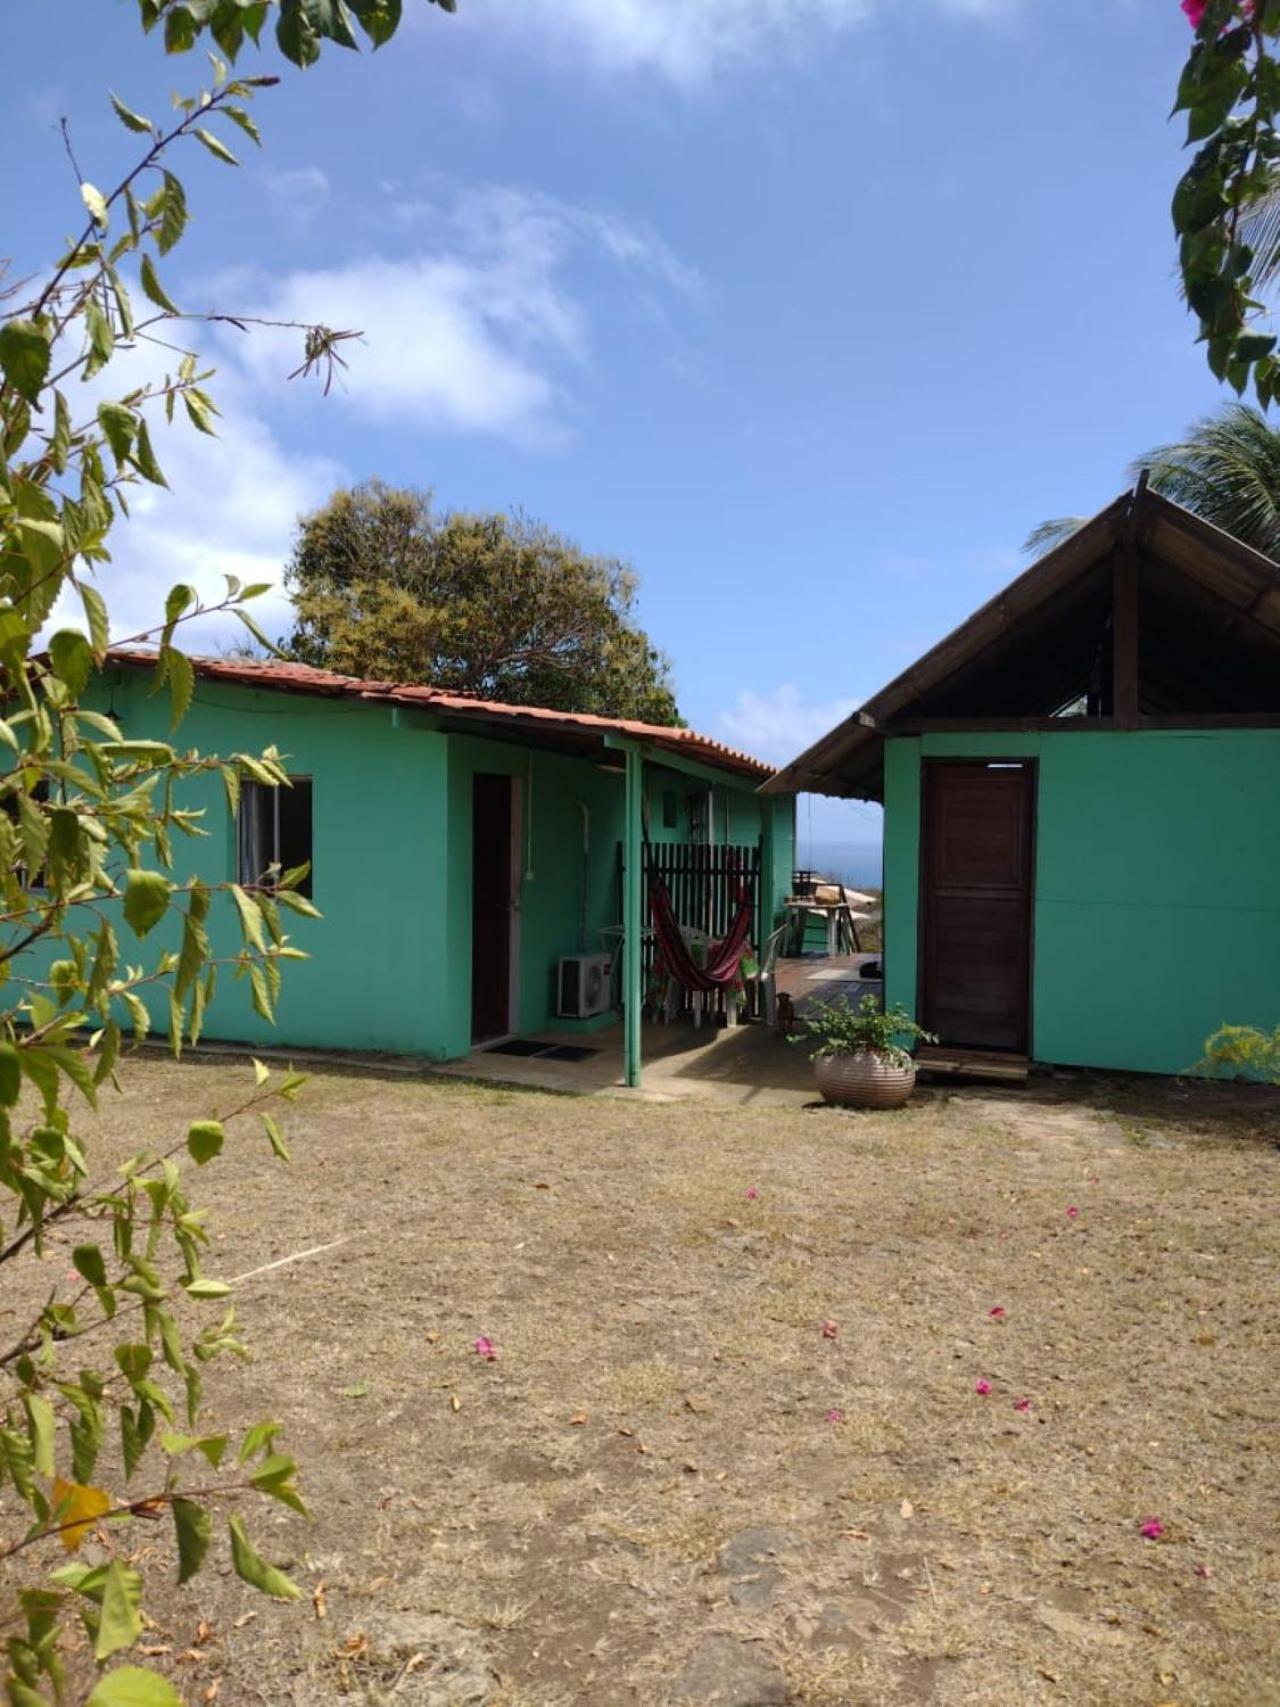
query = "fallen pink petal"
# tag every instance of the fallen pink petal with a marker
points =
(1152, 1529)
(982, 1387)
(835, 1415)
(752, 1192)
(1203, 1571)
(1022, 1404)
(997, 1311)
(1072, 1212)
(485, 1348)
(829, 1330)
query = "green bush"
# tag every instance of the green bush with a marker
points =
(838, 1028)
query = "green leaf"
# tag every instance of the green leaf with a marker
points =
(102, 339)
(172, 212)
(131, 1686)
(237, 115)
(119, 1625)
(216, 147)
(118, 427)
(146, 899)
(154, 289)
(89, 1262)
(10, 1075)
(195, 1531)
(205, 1139)
(275, 1137)
(254, 1570)
(96, 203)
(43, 1427)
(274, 1476)
(182, 683)
(128, 118)
(250, 918)
(207, 1289)
(24, 357)
(213, 1447)
(71, 657)
(95, 612)
(144, 458)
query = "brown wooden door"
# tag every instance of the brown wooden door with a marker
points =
(975, 963)
(491, 877)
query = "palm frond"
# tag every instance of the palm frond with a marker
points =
(1227, 470)
(1051, 533)
(1260, 229)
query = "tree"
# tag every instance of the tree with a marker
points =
(1224, 204)
(386, 586)
(1227, 469)
(103, 1403)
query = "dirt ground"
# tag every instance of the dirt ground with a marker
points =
(672, 1484)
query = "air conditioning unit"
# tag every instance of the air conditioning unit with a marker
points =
(584, 985)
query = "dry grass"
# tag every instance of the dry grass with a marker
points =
(663, 1384)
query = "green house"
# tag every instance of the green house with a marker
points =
(1081, 789)
(460, 850)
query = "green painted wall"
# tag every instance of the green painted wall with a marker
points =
(1157, 887)
(390, 965)
(379, 839)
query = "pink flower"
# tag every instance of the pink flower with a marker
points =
(1152, 1529)
(485, 1348)
(752, 1192)
(982, 1388)
(1022, 1404)
(835, 1415)
(829, 1330)
(1072, 1212)
(997, 1312)
(1194, 10)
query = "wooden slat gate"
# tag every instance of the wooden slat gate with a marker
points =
(705, 885)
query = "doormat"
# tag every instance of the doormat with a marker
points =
(528, 1048)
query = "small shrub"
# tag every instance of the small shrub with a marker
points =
(838, 1028)
(1242, 1052)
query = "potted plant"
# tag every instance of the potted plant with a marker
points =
(859, 1058)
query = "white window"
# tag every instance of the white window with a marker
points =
(274, 830)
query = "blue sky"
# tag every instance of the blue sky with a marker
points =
(810, 309)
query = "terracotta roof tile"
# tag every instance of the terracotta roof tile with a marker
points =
(280, 675)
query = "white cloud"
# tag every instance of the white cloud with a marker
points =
(231, 507)
(778, 726)
(298, 195)
(685, 40)
(480, 330)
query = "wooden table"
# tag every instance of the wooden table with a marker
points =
(839, 916)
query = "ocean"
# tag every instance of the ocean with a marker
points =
(857, 863)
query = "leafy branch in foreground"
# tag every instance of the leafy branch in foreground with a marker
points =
(1230, 92)
(111, 1319)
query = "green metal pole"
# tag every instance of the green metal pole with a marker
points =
(632, 919)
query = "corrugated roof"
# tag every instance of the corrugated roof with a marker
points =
(283, 677)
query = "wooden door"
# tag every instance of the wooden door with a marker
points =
(491, 905)
(976, 880)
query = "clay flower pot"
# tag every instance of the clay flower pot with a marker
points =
(864, 1080)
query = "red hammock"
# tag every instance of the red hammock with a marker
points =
(724, 957)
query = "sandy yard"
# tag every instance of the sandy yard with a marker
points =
(788, 1406)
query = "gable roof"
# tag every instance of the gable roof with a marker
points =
(567, 730)
(1209, 636)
